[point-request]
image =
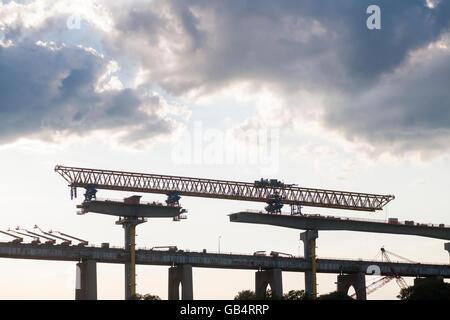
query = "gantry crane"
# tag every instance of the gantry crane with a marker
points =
(174, 186)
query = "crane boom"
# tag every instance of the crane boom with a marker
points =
(222, 189)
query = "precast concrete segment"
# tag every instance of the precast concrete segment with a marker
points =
(214, 260)
(321, 223)
(122, 209)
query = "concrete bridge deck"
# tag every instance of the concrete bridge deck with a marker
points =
(338, 223)
(213, 260)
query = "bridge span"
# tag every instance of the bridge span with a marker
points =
(213, 260)
(340, 223)
(268, 268)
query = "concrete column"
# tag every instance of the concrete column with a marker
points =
(129, 225)
(447, 247)
(306, 237)
(181, 274)
(270, 277)
(86, 280)
(357, 280)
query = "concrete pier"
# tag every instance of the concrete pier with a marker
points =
(447, 247)
(86, 280)
(308, 237)
(129, 226)
(270, 277)
(181, 274)
(357, 280)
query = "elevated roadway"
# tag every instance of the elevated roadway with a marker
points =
(213, 260)
(339, 223)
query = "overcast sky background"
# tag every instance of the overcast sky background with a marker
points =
(174, 87)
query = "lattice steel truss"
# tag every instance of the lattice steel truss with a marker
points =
(222, 189)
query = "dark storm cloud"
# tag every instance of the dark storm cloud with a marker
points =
(323, 47)
(409, 110)
(301, 43)
(45, 90)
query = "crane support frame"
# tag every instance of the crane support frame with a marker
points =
(221, 189)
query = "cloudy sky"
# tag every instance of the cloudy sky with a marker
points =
(297, 90)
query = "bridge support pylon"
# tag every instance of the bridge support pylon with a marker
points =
(86, 280)
(270, 277)
(181, 274)
(309, 244)
(357, 280)
(129, 225)
(447, 247)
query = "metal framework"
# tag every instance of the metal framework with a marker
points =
(222, 189)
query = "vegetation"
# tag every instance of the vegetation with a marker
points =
(291, 295)
(335, 296)
(245, 295)
(295, 295)
(427, 289)
(145, 297)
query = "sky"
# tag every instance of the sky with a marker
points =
(302, 91)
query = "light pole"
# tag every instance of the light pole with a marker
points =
(219, 243)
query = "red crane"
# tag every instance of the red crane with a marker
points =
(383, 280)
(65, 242)
(16, 238)
(35, 239)
(81, 243)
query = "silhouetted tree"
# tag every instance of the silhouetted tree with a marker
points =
(250, 295)
(245, 295)
(427, 289)
(335, 296)
(295, 295)
(145, 297)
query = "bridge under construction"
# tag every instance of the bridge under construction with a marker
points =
(268, 268)
(132, 212)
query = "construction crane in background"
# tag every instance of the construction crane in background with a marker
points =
(274, 194)
(377, 284)
(16, 238)
(35, 240)
(65, 242)
(48, 241)
(81, 242)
